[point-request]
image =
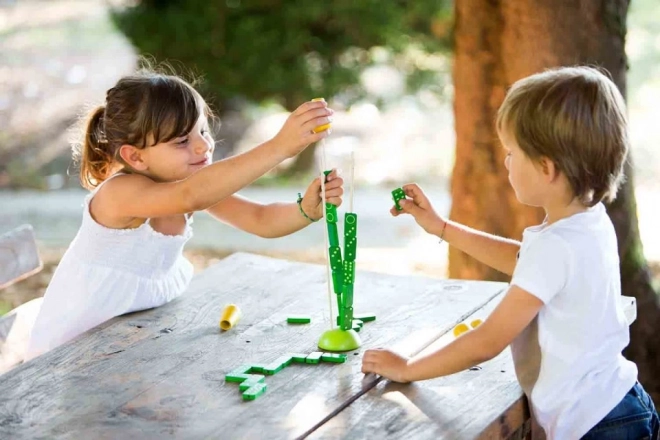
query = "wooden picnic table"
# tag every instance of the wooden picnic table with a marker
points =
(161, 373)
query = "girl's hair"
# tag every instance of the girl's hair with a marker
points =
(141, 110)
(576, 117)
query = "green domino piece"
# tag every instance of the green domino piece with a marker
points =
(335, 258)
(326, 172)
(398, 194)
(357, 322)
(257, 368)
(255, 391)
(349, 272)
(273, 369)
(347, 318)
(298, 357)
(337, 281)
(298, 319)
(333, 357)
(333, 235)
(330, 214)
(365, 317)
(356, 327)
(243, 369)
(231, 377)
(285, 360)
(348, 297)
(251, 381)
(314, 358)
(350, 236)
(278, 365)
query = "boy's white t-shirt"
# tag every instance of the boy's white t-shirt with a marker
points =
(568, 360)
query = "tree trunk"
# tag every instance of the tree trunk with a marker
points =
(497, 43)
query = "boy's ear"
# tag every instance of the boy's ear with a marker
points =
(549, 168)
(133, 157)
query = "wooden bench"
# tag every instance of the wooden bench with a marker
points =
(19, 256)
(19, 259)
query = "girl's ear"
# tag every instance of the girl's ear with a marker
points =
(133, 157)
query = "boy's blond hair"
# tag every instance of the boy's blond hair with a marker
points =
(576, 117)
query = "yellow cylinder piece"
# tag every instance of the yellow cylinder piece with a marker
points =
(460, 329)
(230, 316)
(476, 323)
(321, 128)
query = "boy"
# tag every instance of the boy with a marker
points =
(565, 135)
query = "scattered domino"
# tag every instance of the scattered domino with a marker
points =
(298, 319)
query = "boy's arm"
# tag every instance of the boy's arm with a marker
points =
(508, 320)
(496, 252)
(499, 253)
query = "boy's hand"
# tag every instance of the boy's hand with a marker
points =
(312, 203)
(385, 363)
(296, 133)
(420, 208)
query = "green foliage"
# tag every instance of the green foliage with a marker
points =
(288, 50)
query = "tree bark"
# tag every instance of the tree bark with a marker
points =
(497, 43)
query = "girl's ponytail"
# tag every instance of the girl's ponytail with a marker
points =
(94, 153)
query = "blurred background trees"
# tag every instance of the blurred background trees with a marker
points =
(290, 51)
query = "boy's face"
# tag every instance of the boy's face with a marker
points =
(526, 176)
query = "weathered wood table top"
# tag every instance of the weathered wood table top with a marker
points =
(160, 373)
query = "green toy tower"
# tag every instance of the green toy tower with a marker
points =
(345, 337)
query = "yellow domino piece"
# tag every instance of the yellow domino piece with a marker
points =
(230, 316)
(321, 128)
(460, 329)
(318, 99)
(476, 323)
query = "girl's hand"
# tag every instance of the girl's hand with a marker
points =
(385, 363)
(312, 203)
(296, 133)
(420, 208)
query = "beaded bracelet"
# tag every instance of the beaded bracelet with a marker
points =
(299, 201)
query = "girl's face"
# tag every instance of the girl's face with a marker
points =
(182, 156)
(525, 175)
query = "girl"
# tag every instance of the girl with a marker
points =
(146, 157)
(565, 133)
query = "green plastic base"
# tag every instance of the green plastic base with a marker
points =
(339, 340)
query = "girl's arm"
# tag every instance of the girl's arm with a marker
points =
(137, 196)
(508, 320)
(497, 252)
(278, 219)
